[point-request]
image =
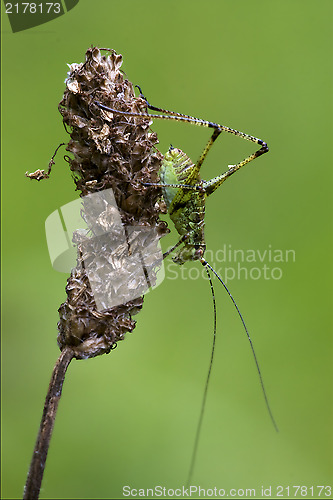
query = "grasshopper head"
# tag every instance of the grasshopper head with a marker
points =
(188, 253)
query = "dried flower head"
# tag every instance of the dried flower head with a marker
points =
(108, 151)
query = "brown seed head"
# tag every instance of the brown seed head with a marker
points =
(108, 151)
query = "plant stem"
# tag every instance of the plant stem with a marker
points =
(37, 465)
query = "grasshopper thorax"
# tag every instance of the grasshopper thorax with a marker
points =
(184, 196)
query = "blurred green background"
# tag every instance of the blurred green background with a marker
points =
(130, 418)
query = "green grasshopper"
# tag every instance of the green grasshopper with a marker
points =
(185, 194)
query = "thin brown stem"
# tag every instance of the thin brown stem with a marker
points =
(37, 465)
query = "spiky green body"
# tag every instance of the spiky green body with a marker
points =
(186, 205)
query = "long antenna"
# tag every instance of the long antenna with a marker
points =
(205, 264)
(203, 404)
